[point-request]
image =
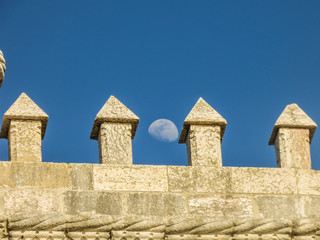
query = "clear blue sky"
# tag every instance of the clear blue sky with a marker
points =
(247, 59)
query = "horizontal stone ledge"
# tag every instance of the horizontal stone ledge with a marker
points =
(129, 235)
(157, 204)
(150, 178)
(57, 235)
(116, 235)
(168, 226)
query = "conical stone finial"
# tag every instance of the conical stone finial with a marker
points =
(24, 125)
(202, 131)
(291, 136)
(2, 67)
(114, 127)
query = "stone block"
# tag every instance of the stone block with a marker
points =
(156, 204)
(289, 207)
(6, 175)
(263, 180)
(25, 141)
(199, 179)
(81, 176)
(308, 182)
(309, 206)
(31, 201)
(2, 202)
(228, 206)
(96, 202)
(115, 145)
(293, 148)
(131, 178)
(204, 145)
(40, 175)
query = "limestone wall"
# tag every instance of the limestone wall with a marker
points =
(161, 191)
(120, 201)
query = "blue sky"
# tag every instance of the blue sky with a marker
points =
(247, 59)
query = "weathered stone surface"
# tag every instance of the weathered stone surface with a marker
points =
(204, 146)
(25, 141)
(199, 179)
(293, 117)
(6, 179)
(76, 202)
(293, 148)
(121, 235)
(202, 114)
(156, 204)
(229, 237)
(2, 67)
(291, 136)
(263, 180)
(115, 145)
(218, 206)
(130, 178)
(305, 237)
(24, 125)
(24, 109)
(198, 237)
(114, 111)
(30, 201)
(2, 202)
(46, 175)
(308, 182)
(42, 176)
(202, 132)
(117, 201)
(288, 207)
(114, 127)
(59, 235)
(81, 176)
(309, 206)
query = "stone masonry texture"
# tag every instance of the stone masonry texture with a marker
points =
(204, 145)
(115, 143)
(293, 148)
(155, 198)
(25, 141)
(116, 200)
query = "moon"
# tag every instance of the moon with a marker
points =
(163, 130)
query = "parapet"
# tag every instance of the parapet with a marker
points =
(120, 201)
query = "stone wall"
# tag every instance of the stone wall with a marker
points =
(159, 191)
(118, 200)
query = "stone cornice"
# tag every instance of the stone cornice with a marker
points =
(166, 226)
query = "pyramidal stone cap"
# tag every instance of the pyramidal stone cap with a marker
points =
(202, 114)
(114, 111)
(24, 109)
(293, 117)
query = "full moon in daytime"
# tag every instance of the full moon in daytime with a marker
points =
(163, 130)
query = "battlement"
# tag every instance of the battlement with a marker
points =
(118, 200)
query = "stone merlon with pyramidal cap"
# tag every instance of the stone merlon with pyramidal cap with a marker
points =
(118, 200)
